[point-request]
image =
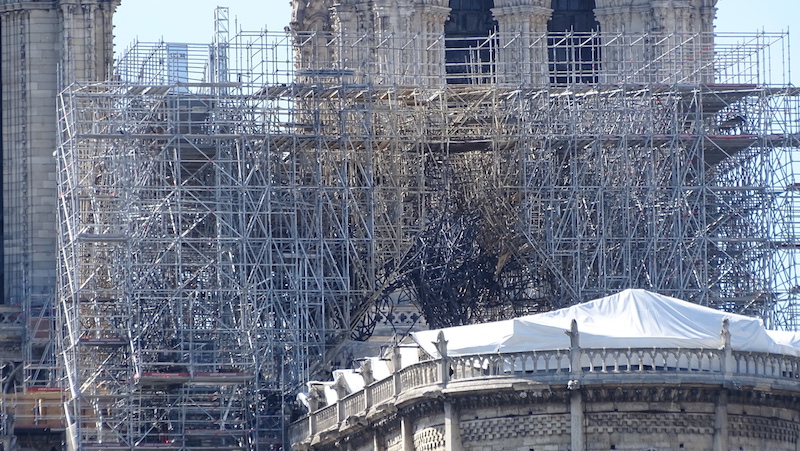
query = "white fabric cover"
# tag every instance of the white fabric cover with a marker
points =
(380, 369)
(786, 339)
(629, 319)
(353, 381)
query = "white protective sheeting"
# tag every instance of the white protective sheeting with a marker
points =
(629, 319)
(380, 370)
(790, 340)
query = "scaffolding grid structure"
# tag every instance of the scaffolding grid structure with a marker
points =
(232, 214)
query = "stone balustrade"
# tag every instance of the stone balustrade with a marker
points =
(325, 417)
(549, 367)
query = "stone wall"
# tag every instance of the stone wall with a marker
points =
(510, 419)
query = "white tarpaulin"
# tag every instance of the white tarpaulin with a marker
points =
(629, 319)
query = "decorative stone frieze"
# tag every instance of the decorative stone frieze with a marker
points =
(650, 423)
(505, 428)
(429, 439)
(764, 430)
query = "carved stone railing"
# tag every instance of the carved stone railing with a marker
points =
(592, 361)
(353, 404)
(326, 417)
(766, 365)
(656, 365)
(382, 390)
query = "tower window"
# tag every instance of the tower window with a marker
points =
(573, 15)
(468, 42)
(573, 52)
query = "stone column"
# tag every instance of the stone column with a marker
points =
(452, 429)
(396, 60)
(70, 62)
(385, 27)
(344, 18)
(354, 22)
(706, 15)
(797, 444)
(377, 442)
(672, 18)
(663, 22)
(576, 416)
(311, 16)
(87, 34)
(369, 379)
(311, 25)
(430, 16)
(608, 18)
(720, 440)
(663, 17)
(406, 34)
(340, 386)
(522, 53)
(612, 20)
(106, 37)
(407, 433)
(366, 372)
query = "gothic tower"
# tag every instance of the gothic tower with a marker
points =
(45, 47)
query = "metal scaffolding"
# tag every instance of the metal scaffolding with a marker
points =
(230, 215)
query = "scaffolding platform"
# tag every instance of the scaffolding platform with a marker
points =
(201, 378)
(258, 226)
(104, 341)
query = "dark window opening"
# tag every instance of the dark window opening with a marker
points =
(469, 43)
(573, 50)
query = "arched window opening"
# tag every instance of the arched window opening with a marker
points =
(469, 43)
(573, 50)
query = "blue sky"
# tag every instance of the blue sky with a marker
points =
(193, 20)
